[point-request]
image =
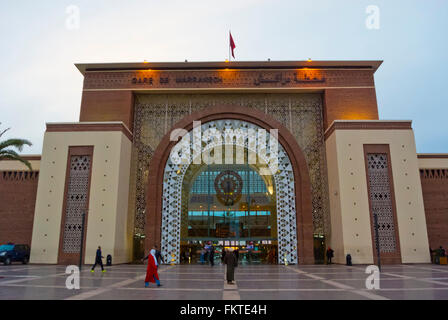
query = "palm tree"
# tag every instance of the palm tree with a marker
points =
(7, 153)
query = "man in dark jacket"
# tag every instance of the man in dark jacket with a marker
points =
(329, 255)
(98, 260)
(231, 262)
(223, 254)
(212, 256)
(237, 254)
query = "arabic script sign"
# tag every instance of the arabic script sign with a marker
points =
(227, 78)
(278, 78)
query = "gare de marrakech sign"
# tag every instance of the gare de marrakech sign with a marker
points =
(225, 78)
(257, 81)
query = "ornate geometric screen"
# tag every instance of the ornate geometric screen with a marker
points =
(381, 201)
(155, 115)
(76, 202)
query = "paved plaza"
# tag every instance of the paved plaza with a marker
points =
(200, 282)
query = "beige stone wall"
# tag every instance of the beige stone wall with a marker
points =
(124, 225)
(12, 165)
(107, 217)
(349, 194)
(433, 163)
(337, 228)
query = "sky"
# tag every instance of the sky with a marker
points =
(40, 41)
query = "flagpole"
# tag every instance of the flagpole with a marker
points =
(229, 45)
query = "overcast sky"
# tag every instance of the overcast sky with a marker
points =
(39, 44)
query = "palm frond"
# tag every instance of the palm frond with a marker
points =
(12, 155)
(3, 132)
(9, 152)
(16, 143)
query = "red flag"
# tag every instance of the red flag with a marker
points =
(232, 45)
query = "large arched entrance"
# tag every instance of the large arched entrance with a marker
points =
(293, 217)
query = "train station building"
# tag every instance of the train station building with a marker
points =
(281, 159)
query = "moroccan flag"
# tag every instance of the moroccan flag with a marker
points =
(232, 45)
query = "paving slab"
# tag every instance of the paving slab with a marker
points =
(202, 282)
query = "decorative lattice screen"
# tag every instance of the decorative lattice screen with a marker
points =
(76, 205)
(381, 202)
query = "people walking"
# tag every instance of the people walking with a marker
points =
(159, 256)
(250, 249)
(223, 254)
(348, 259)
(230, 262)
(151, 270)
(206, 253)
(187, 256)
(98, 260)
(202, 259)
(271, 256)
(330, 254)
(212, 256)
(441, 252)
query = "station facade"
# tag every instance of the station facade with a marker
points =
(329, 172)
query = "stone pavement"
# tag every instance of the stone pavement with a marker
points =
(197, 282)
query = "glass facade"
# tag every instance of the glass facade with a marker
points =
(219, 215)
(218, 207)
(202, 182)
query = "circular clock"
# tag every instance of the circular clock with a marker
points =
(228, 186)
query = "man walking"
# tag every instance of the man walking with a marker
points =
(212, 256)
(202, 256)
(231, 263)
(223, 254)
(236, 252)
(98, 260)
(329, 255)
